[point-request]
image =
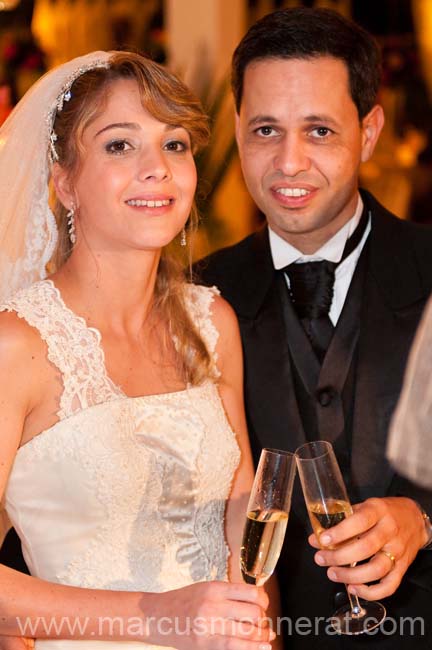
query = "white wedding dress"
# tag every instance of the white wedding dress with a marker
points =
(122, 493)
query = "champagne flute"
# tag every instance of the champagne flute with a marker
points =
(267, 515)
(328, 504)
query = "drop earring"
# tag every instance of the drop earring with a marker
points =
(183, 240)
(71, 224)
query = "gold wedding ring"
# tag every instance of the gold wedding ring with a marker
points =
(390, 556)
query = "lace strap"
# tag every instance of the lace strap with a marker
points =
(198, 301)
(73, 347)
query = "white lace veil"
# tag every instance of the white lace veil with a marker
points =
(410, 441)
(28, 231)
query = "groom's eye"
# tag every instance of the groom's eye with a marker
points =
(265, 131)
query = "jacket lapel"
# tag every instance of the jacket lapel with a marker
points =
(392, 304)
(269, 388)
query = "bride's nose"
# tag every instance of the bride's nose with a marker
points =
(153, 165)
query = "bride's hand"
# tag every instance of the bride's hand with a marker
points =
(16, 643)
(211, 616)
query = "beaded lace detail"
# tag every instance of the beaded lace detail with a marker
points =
(75, 349)
(198, 302)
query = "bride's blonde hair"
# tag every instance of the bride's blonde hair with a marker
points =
(168, 100)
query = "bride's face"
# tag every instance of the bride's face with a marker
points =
(136, 179)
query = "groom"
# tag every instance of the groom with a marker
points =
(329, 295)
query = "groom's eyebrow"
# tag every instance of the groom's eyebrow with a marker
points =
(258, 119)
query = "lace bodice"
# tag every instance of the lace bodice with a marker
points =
(121, 493)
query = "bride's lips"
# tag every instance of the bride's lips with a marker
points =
(293, 195)
(151, 203)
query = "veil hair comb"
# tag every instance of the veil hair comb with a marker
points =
(65, 96)
(28, 230)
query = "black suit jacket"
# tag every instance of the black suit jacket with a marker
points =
(397, 284)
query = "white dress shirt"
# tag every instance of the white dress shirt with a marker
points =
(283, 254)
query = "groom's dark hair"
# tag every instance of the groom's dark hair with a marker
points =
(307, 34)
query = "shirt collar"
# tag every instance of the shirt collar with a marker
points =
(284, 253)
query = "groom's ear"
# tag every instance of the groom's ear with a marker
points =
(62, 185)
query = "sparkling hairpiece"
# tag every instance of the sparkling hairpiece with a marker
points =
(65, 96)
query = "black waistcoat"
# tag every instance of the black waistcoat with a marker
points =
(325, 394)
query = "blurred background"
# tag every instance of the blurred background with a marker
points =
(196, 38)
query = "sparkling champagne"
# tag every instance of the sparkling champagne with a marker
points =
(262, 542)
(328, 514)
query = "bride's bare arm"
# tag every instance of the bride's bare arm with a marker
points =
(230, 364)
(4, 524)
(16, 643)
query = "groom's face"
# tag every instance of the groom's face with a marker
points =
(301, 144)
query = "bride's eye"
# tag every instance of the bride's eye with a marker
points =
(176, 146)
(118, 147)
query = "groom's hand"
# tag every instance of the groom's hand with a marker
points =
(388, 532)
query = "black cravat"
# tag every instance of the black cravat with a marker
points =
(311, 291)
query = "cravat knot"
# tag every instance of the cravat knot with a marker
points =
(311, 292)
(311, 287)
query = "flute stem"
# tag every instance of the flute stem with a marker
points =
(357, 610)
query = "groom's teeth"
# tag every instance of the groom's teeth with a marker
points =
(148, 204)
(292, 191)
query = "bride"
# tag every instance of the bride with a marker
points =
(120, 384)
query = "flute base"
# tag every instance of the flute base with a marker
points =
(344, 622)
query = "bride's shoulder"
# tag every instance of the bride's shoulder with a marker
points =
(18, 340)
(217, 312)
(17, 337)
(207, 302)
